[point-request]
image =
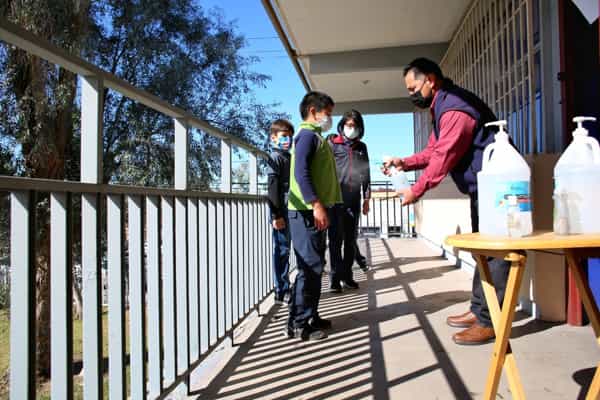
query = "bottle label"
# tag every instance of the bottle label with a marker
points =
(519, 189)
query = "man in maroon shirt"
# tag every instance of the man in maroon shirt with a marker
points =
(455, 147)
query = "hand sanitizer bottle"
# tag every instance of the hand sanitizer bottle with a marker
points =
(577, 184)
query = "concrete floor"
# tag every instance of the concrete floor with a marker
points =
(390, 341)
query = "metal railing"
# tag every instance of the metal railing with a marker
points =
(387, 217)
(196, 263)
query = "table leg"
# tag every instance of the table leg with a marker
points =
(574, 263)
(502, 321)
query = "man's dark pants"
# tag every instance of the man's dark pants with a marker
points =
(499, 270)
(309, 247)
(342, 232)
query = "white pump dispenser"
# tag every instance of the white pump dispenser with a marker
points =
(504, 178)
(577, 184)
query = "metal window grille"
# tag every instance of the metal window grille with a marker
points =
(496, 53)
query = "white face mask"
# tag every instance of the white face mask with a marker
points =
(351, 133)
(325, 123)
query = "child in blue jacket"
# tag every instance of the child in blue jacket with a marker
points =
(278, 174)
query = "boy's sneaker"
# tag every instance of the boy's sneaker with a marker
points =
(319, 323)
(335, 288)
(351, 284)
(280, 299)
(308, 333)
(289, 332)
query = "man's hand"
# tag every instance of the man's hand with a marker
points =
(389, 164)
(279, 224)
(366, 206)
(408, 197)
(320, 215)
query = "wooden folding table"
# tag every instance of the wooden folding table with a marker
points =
(577, 248)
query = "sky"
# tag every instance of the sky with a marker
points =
(389, 134)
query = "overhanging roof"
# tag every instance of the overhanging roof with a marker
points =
(355, 50)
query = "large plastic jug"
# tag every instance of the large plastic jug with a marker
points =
(577, 184)
(504, 189)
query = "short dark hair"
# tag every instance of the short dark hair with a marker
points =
(318, 100)
(356, 117)
(425, 66)
(281, 125)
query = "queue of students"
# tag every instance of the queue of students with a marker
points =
(315, 185)
(328, 176)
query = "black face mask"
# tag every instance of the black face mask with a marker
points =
(418, 100)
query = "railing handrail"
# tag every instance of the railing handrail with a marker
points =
(16, 184)
(17, 36)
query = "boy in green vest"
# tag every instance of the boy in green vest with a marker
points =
(314, 189)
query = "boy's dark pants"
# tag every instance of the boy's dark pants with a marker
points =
(342, 231)
(281, 258)
(309, 246)
(358, 257)
(499, 270)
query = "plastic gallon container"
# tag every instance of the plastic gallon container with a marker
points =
(504, 189)
(577, 184)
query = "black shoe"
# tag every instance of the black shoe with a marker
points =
(350, 284)
(335, 288)
(319, 323)
(364, 268)
(279, 299)
(289, 332)
(308, 333)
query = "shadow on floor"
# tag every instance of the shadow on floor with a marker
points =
(350, 363)
(584, 378)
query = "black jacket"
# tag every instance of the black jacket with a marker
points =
(352, 165)
(278, 173)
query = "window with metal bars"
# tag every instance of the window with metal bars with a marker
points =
(496, 54)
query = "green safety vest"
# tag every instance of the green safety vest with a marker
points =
(322, 173)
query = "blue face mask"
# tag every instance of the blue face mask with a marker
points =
(284, 143)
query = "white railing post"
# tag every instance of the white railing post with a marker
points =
(91, 172)
(225, 166)
(181, 154)
(22, 292)
(61, 296)
(115, 254)
(181, 260)
(137, 340)
(91, 129)
(153, 266)
(253, 173)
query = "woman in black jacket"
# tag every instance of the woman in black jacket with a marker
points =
(352, 165)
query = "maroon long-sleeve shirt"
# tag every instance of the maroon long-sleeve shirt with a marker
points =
(442, 154)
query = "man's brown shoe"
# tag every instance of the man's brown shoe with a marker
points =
(476, 334)
(462, 321)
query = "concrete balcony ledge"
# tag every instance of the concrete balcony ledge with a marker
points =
(390, 341)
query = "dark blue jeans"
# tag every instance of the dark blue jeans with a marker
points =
(309, 246)
(342, 241)
(281, 258)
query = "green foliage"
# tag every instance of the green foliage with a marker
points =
(176, 50)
